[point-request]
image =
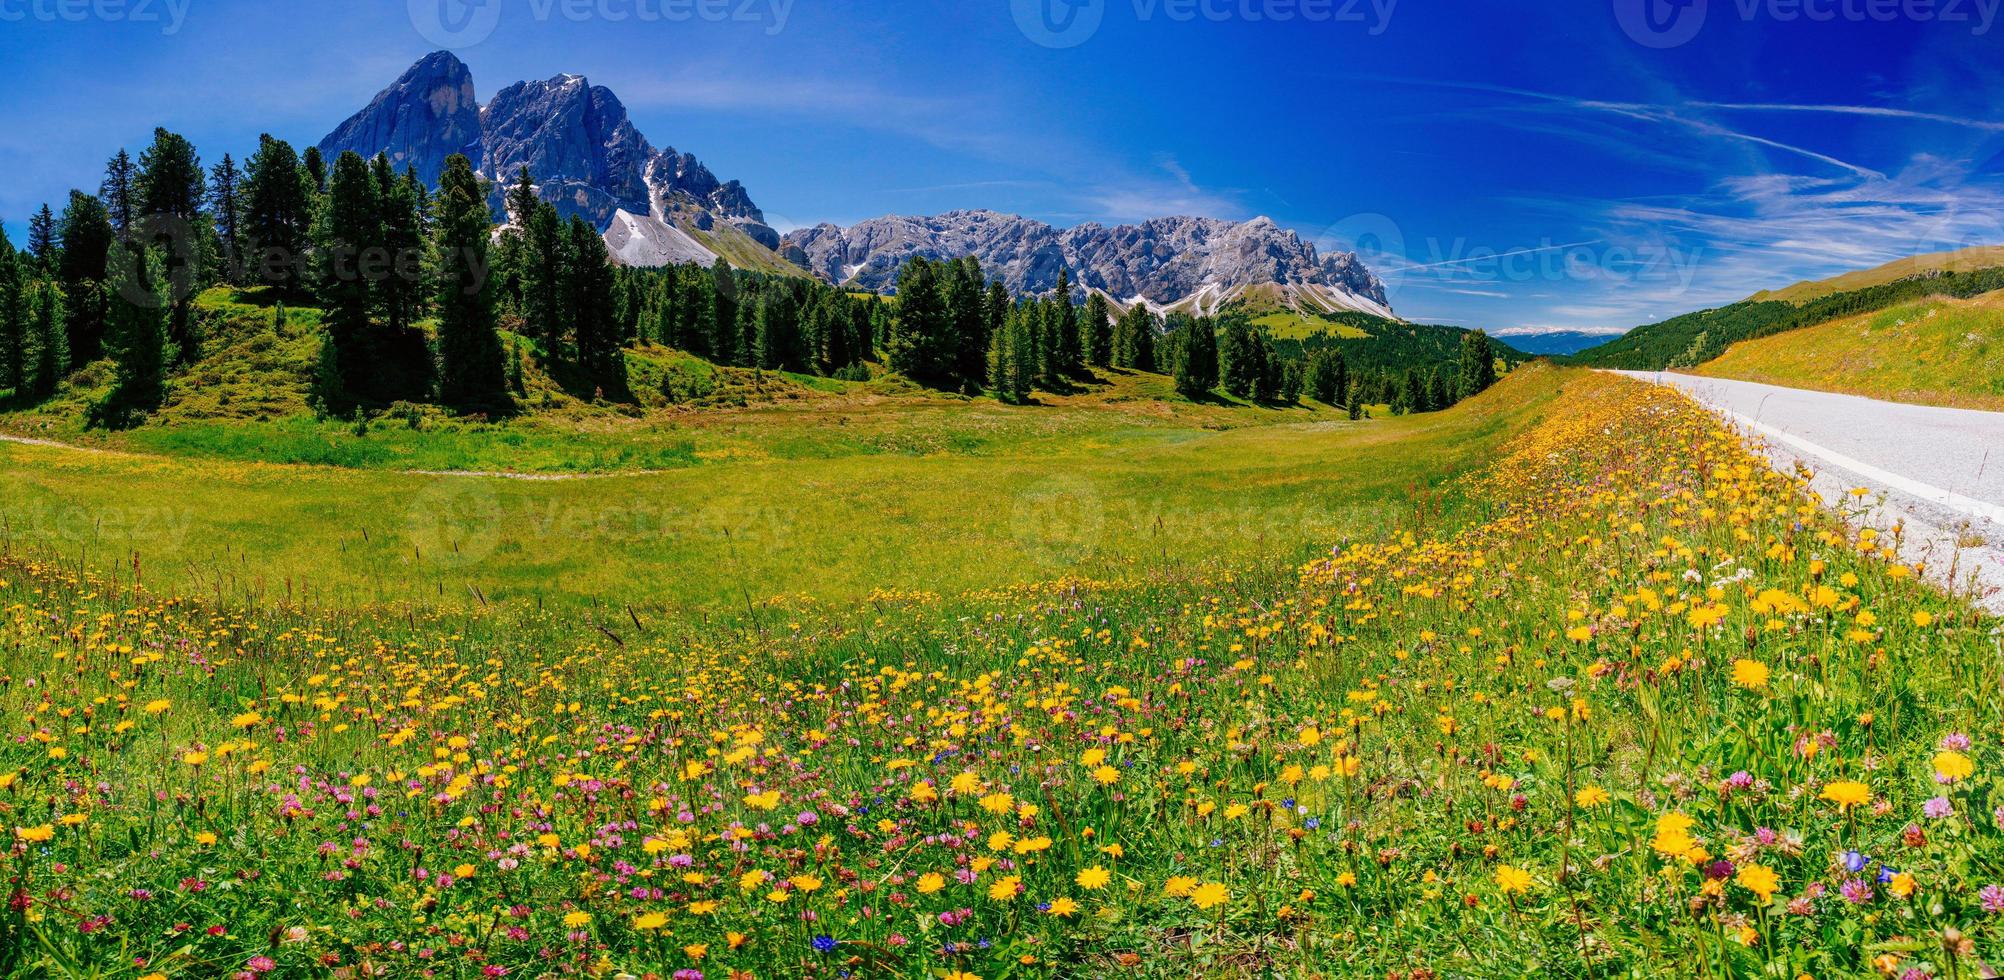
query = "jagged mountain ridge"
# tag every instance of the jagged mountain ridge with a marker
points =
(1192, 264)
(582, 151)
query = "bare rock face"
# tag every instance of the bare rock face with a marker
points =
(583, 153)
(1182, 262)
(423, 117)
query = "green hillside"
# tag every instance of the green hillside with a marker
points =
(1934, 263)
(1932, 351)
(1694, 338)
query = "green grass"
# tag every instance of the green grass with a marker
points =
(1964, 260)
(1293, 325)
(1930, 352)
(834, 505)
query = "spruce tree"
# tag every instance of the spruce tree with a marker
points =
(777, 333)
(522, 199)
(542, 273)
(1197, 358)
(118, 193)
(172, 186)
(918, 348)
(88, 237)
(43, 243)
(472, 375)
(50, 341)
(1478, 364)
(1439, 393)
(226, 206)
(348, 226)
(398, 248)
(1238, 367)
(1070, 356)
(1096, 331)
(734, 338)
(589, 284)
(1292, 377)
(968, 305)
(316, 168)
(136, 336)
(14, 316)
(277, 217)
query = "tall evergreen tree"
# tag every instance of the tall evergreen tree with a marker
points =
(1439, 393)
(316, 168)
(1096, 331)
(522, 199)
(544, 304)
(171, 188)
(472, 373)
(735, 334)
(967, 304)
(1478, 364)
(14, 316)
(1197, 358)
(136, 336)
(1238, 366)
(226, 209)
(117, 190)
(919, 347)
(778, 339)
(348, 227)
(277, 216)
(1070, 353)
(49, 340)
(399, 249)
(88, 237)
(1328, 378)
(1134, 339)
(590, 287)
(43, 243)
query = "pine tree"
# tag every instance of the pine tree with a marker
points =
(316, 168)
(1328, 378)
(88, 237)
(277, 217)
(1266, 369)
(43, 243)
(50, 341)
(589, 285)
(14, 317)
(398, 248)
(118, 193)
(778, 341)
(522, 199)
(1134, 339)
(968, 305)
(1439, 394)
(1070, 355)
(1096, 331)
(136, 336)
(543, 300)
(1478, 364)
(1238, 367)
(226, 206)
(734, 338)
(472, 375)
(918, 348)
(1197, 358)
(171, 187)
(348, 227)
(1291, 379)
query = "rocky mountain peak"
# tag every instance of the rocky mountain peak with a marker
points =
(583, 152)
(427, 114)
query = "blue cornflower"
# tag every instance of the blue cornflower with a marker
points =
(824, 944)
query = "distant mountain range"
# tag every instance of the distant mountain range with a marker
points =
(1555, 341)
(659, 207)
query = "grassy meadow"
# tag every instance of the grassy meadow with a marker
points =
(1935, 351)
(1615, 700)
(834, 504)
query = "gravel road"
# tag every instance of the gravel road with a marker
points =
(1940, 471)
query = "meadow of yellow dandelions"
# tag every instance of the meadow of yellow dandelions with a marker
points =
(1638, 707)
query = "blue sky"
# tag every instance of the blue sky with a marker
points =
(1591, 164)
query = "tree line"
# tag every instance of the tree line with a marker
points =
(382, 255)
